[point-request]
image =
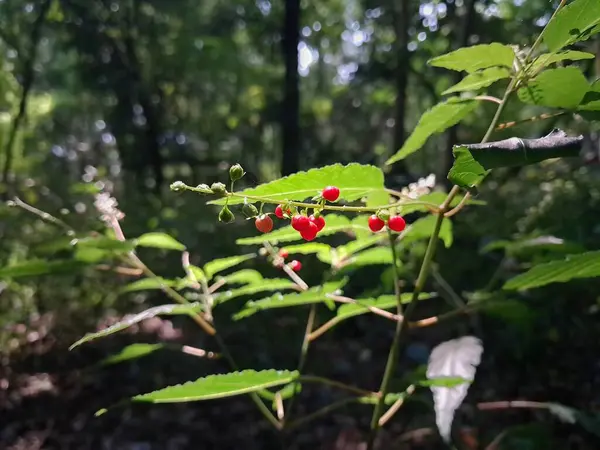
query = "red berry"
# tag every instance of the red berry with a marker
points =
(264, 223)
(279, 211)
(300, 222)
(397, 223)
(295, 265)
(283, 253)
(318, 221)
(375, 223)
(310, 232)
(331, 193)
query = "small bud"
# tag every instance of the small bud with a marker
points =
(383, 215)
(204, 189)
(178, 186)
(236, 172)
(249, 210)
(226, 216)
(218, 188)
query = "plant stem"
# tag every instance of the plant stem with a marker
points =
(337, 384)
(321, 412)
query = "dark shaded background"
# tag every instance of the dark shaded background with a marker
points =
(139, 93)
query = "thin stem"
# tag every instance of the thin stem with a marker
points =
(488, 98)
(396, 406)
(373, 309)
(512, 404)
(16, 201)
(393, 353)
(322, 412)
(337, 384)
(201, 353)
(324, 328)
(457, 208)
(538, 41)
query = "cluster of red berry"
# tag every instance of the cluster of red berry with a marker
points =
(310, 226)
(394, 223)
(295, 265)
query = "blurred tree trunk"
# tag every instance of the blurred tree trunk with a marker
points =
(401, 17)
(290, 114)
(462, 34)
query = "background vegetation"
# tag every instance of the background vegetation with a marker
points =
(131, 95)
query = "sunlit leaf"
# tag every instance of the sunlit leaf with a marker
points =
(266, 284)
(40, 267)
(454, 358)
(584, 265)
(551, 58)
(312, 295)
(166, 310)
(307, 248)
(105, 243)
(133, 351)
(437, 119)
(563, 87)
(478, 80)
(149, 283)
(220, 386)
(423, 228)
(244, 276)
(219, 265)
(372, 256)
(573, 23)
(476, 57)
(354, 181)
(159, 240)
(386, 302)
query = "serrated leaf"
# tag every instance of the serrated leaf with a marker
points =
(476, 57)
(133, 351)
(423, 228)
(307, 249)
(266, 284)
(584, 265)
(563, 87)
(378, 198)
(310, 296)
(477, 80)
(219, 265)
(354, 181)
(530, 245)
(337, 254)
(220, 386)
(591, 99)
(244, 276)
(386, 302)
(473, 162)
(551, 58)
(335, 224)
(40, 267)
(163, 310)
(372, 256)
(573, 23)
(435, 120)
(148, 283)
(159, 240)
(453, 358)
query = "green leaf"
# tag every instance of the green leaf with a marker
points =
(584, 265)
(563, 87)
(476, 57)
(477, 80)
(91, 255)
(266, 284)
(551, 58)
(313, 295)
(573, 23)
(591, 100)
(244, 276)
(159, 240)
(437, 198)
(149, 283)
(105, 243)
(132, 351)
(435, 120)
(448, 382)
(532, 245)
(220, 386)
(166, 310)
(219, 265)
(335, 224)
(354, 181)
(386, 302)
(40, 267)
(423, 229)
(473, 162)
(372, 256)
(335, 255)
(307, 249)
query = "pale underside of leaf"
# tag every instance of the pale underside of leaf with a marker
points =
(454, 358)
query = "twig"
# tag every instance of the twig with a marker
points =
(16, 201)
(321, 412)
(457, 208)
(199, 352)
(279, 405)
(396, 406)
(338, 384)
(488, 98)
(373, 309)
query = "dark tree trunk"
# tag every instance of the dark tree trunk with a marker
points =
(290, 114)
